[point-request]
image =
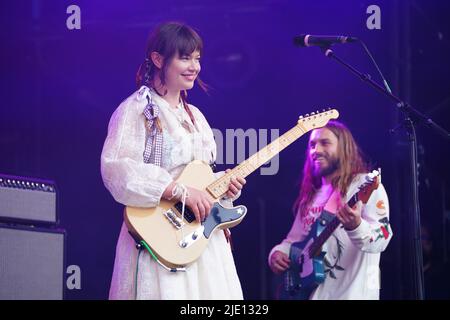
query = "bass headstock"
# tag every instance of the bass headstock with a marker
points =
(372, 181)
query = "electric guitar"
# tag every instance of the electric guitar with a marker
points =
(175, 242)
(306, 271)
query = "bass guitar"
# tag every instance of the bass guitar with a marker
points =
(307, 270)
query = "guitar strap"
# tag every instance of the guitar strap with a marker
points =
(333, 201)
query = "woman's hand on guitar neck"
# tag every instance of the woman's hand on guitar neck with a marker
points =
(236, 185)
(279, 262)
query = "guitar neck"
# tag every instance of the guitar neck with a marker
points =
(219, 187)
(329, 229)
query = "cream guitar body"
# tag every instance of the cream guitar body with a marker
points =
(161, 226)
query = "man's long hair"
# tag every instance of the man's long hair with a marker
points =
(350, 164)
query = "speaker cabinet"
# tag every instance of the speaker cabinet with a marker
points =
(32, 263)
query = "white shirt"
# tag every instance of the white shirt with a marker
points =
(352, 257)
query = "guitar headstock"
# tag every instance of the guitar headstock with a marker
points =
(372, 181)
(317, 119)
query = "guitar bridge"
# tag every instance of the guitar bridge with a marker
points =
(173, 218)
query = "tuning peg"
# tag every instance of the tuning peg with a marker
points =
(307, 115)
(312, 113)
(301, 117)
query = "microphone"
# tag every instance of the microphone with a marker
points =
(307, 40)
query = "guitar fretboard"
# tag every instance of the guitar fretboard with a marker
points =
(219, 187)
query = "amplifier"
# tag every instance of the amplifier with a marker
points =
(28, 200)
(32, 263)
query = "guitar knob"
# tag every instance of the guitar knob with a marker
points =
(194, 235)
(323, 222)
(183, 244)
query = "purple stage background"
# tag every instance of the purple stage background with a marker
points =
(59, 88)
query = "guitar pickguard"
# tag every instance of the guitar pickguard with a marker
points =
(220, 215)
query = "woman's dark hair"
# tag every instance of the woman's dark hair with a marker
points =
(168, 39)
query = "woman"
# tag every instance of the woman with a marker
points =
(152, 136)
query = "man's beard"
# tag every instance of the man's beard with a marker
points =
(333, 165)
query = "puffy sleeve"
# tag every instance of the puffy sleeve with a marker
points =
(129, 180)
(296, 234)
(374, 232)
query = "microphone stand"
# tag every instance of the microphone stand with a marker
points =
(411, 118)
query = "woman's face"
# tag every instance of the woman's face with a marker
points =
(182, 71)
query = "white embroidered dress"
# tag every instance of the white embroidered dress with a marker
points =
(135, 183)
